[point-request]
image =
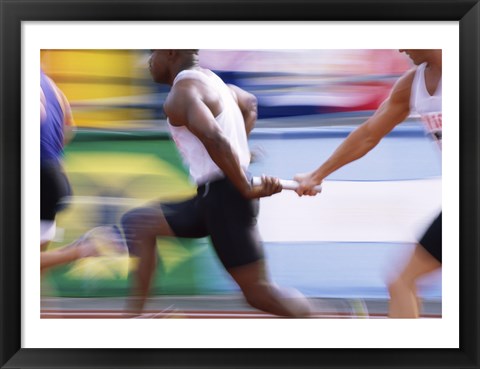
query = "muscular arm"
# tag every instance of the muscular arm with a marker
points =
(248, 106)
(186, 106)
(363, 139)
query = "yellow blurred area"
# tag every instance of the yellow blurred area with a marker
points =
(137, 176)
(99, 84)
(115, 182)
(102, 267)
(110, 265)
(99, 63)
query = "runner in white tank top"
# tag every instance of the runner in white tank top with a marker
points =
(209, 122)
(418, 90)
(230, 121)
(427, 105)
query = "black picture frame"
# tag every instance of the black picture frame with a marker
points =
(12, 355)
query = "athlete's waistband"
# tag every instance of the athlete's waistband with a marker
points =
(203, 189)
(212, 178)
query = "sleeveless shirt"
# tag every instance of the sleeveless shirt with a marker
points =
(429, 107)
(230, 121)
(51, 127)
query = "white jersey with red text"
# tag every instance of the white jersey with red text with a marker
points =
(231, 122)
(429, 107)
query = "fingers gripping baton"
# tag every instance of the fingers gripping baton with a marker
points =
(286, 184)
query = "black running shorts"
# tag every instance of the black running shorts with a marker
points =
(54, 186)
(432, 239)
(221, 212)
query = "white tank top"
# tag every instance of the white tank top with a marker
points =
(230, 120)
(429, 107)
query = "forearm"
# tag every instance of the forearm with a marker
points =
(250, 118)
(357, 144)
(227, 160)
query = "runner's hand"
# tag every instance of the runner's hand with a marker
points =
(306, 184)
(269, 186)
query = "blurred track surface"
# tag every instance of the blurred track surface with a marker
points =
(216, 307)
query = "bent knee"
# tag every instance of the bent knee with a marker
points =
(143, 223)
(399, 285)
(144, 220)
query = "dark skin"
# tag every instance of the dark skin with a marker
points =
(194, 105)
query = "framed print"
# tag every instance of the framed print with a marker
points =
(289, 53)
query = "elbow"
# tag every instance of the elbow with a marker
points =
(250, 114)
(250, 120)
(252, 107)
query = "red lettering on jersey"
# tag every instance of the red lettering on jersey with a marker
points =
(433, 122)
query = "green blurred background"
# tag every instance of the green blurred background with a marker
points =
(118, 160)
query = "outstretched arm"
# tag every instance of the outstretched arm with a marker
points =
(394, 110)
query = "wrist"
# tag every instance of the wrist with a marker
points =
(317, 177)
(248, 190)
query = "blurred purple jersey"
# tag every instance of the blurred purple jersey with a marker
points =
(51, 127)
